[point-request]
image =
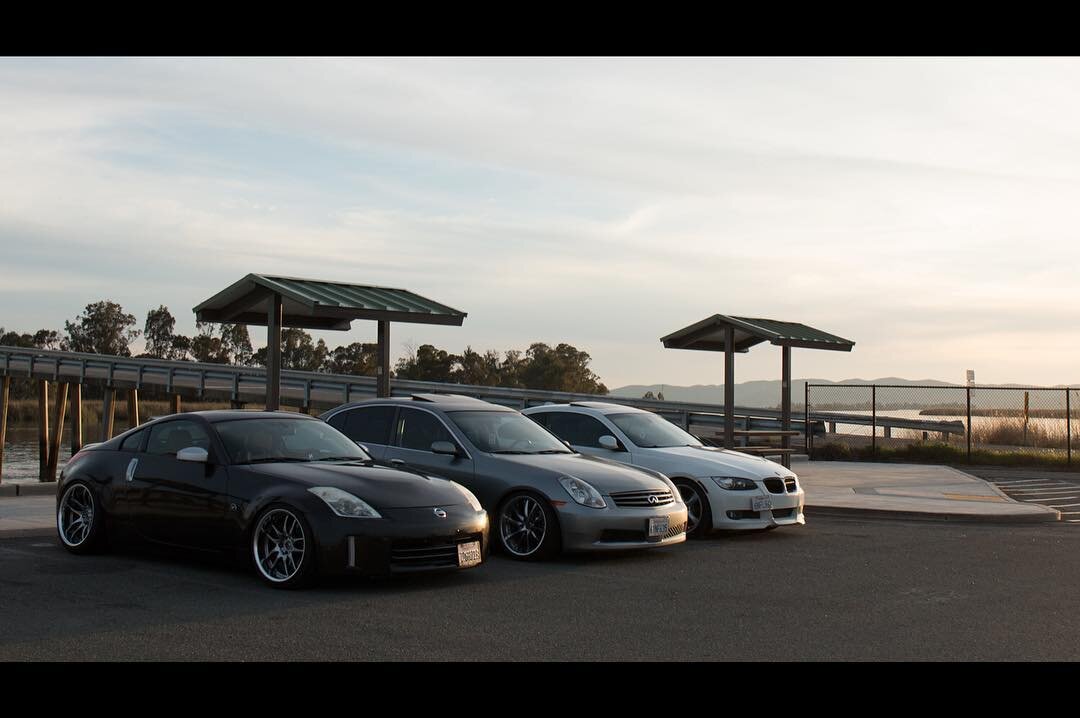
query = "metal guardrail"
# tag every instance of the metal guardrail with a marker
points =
(248, 384)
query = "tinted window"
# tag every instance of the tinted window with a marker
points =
(578, 429)
(170, 437)
(132, 442)
(541, 418)
(420, 429)
(369, 426)
(249, 441)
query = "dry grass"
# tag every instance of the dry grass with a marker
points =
(24, 412)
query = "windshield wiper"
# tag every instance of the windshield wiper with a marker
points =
(553, 451)
(507, 451)
(342, 458)
(276, 460)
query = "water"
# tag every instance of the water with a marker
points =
(21, 453)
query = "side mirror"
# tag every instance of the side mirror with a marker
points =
(194, 454)
(609, 442)
(444, 447)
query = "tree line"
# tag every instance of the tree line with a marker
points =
(105, 328)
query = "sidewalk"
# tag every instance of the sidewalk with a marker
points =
(916, 491)
(849, 488)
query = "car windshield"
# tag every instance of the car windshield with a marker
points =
(269, 440)
(506, 432)
(650, 431)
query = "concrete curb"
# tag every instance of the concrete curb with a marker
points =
(28, 533)
(851, 512)
(47, 488)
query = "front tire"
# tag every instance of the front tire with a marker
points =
(283, 548)
(80, 520)
(698, 511)
(526, 528)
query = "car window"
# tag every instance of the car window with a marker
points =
(419, 429)
(369, 425)
(540, 418)
(133, 442)
(168, 438)
(277, 439)
(578, 429)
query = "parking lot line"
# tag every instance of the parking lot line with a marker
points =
(1044, 489)
(1014, 482)
(1062, 506)
(1050, 498)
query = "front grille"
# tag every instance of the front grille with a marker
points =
(642, 498)
(775, 486)
(789, 483)
(426, 554)
(782, 513)
(620, 535)
(675, 531)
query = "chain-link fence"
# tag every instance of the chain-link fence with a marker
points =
(943, 423)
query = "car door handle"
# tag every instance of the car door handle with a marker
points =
(130, 473)
(397, 462)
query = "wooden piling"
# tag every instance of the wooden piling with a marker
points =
(5, 393)
(174, 400)
(133, 408)
(108, 413)
(58, 435)
(76, 419)
(43, 428)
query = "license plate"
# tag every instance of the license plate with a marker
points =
(468, 554)
(761, 503)
(658, 526)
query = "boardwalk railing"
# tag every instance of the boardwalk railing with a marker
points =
(313, 390)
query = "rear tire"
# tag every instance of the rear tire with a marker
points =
(282, 548)
(526, 528)
(80, 520)
(698, 511)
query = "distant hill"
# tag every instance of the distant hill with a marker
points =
(762, 394)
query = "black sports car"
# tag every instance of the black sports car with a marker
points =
(286, 492)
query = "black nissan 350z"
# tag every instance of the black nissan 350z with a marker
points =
(285, 492)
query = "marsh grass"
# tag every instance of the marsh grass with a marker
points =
(24, 412)
(939, 453)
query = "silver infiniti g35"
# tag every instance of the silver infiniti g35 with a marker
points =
(542, 496)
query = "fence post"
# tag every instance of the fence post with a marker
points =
(968, 432)
(1068, 427)
(807, 433)
(873, 420)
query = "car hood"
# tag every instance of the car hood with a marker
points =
(713, 461)
(605, 476)
(382, 487)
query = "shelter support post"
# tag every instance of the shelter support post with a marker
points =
(174, 403)
(383, 371)
(729, 388)
(273, 355)
(785, 403)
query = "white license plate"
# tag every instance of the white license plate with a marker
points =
(468, 554)
(658, 526)
(761, 503)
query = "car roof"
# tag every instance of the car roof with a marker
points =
(446, 402)
(215, 415)
(603, 407)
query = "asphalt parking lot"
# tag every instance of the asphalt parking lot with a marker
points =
(1056, 489)
(837, 588)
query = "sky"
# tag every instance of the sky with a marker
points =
(925, 208)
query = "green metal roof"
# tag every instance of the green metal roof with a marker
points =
(708, 335)
(317, 304)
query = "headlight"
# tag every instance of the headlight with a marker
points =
(676, 494)
(733, 484)
(582, 492)
(469, 496)
(345, 504)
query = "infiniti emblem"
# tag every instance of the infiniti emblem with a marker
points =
(440, 513)
(654, 499)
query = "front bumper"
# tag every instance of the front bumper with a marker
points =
(734, 509)
(403, 541)
(617, 528)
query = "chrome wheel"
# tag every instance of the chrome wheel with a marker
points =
(694, 506)
(523, 526)
(75, 517)
(279, 545)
